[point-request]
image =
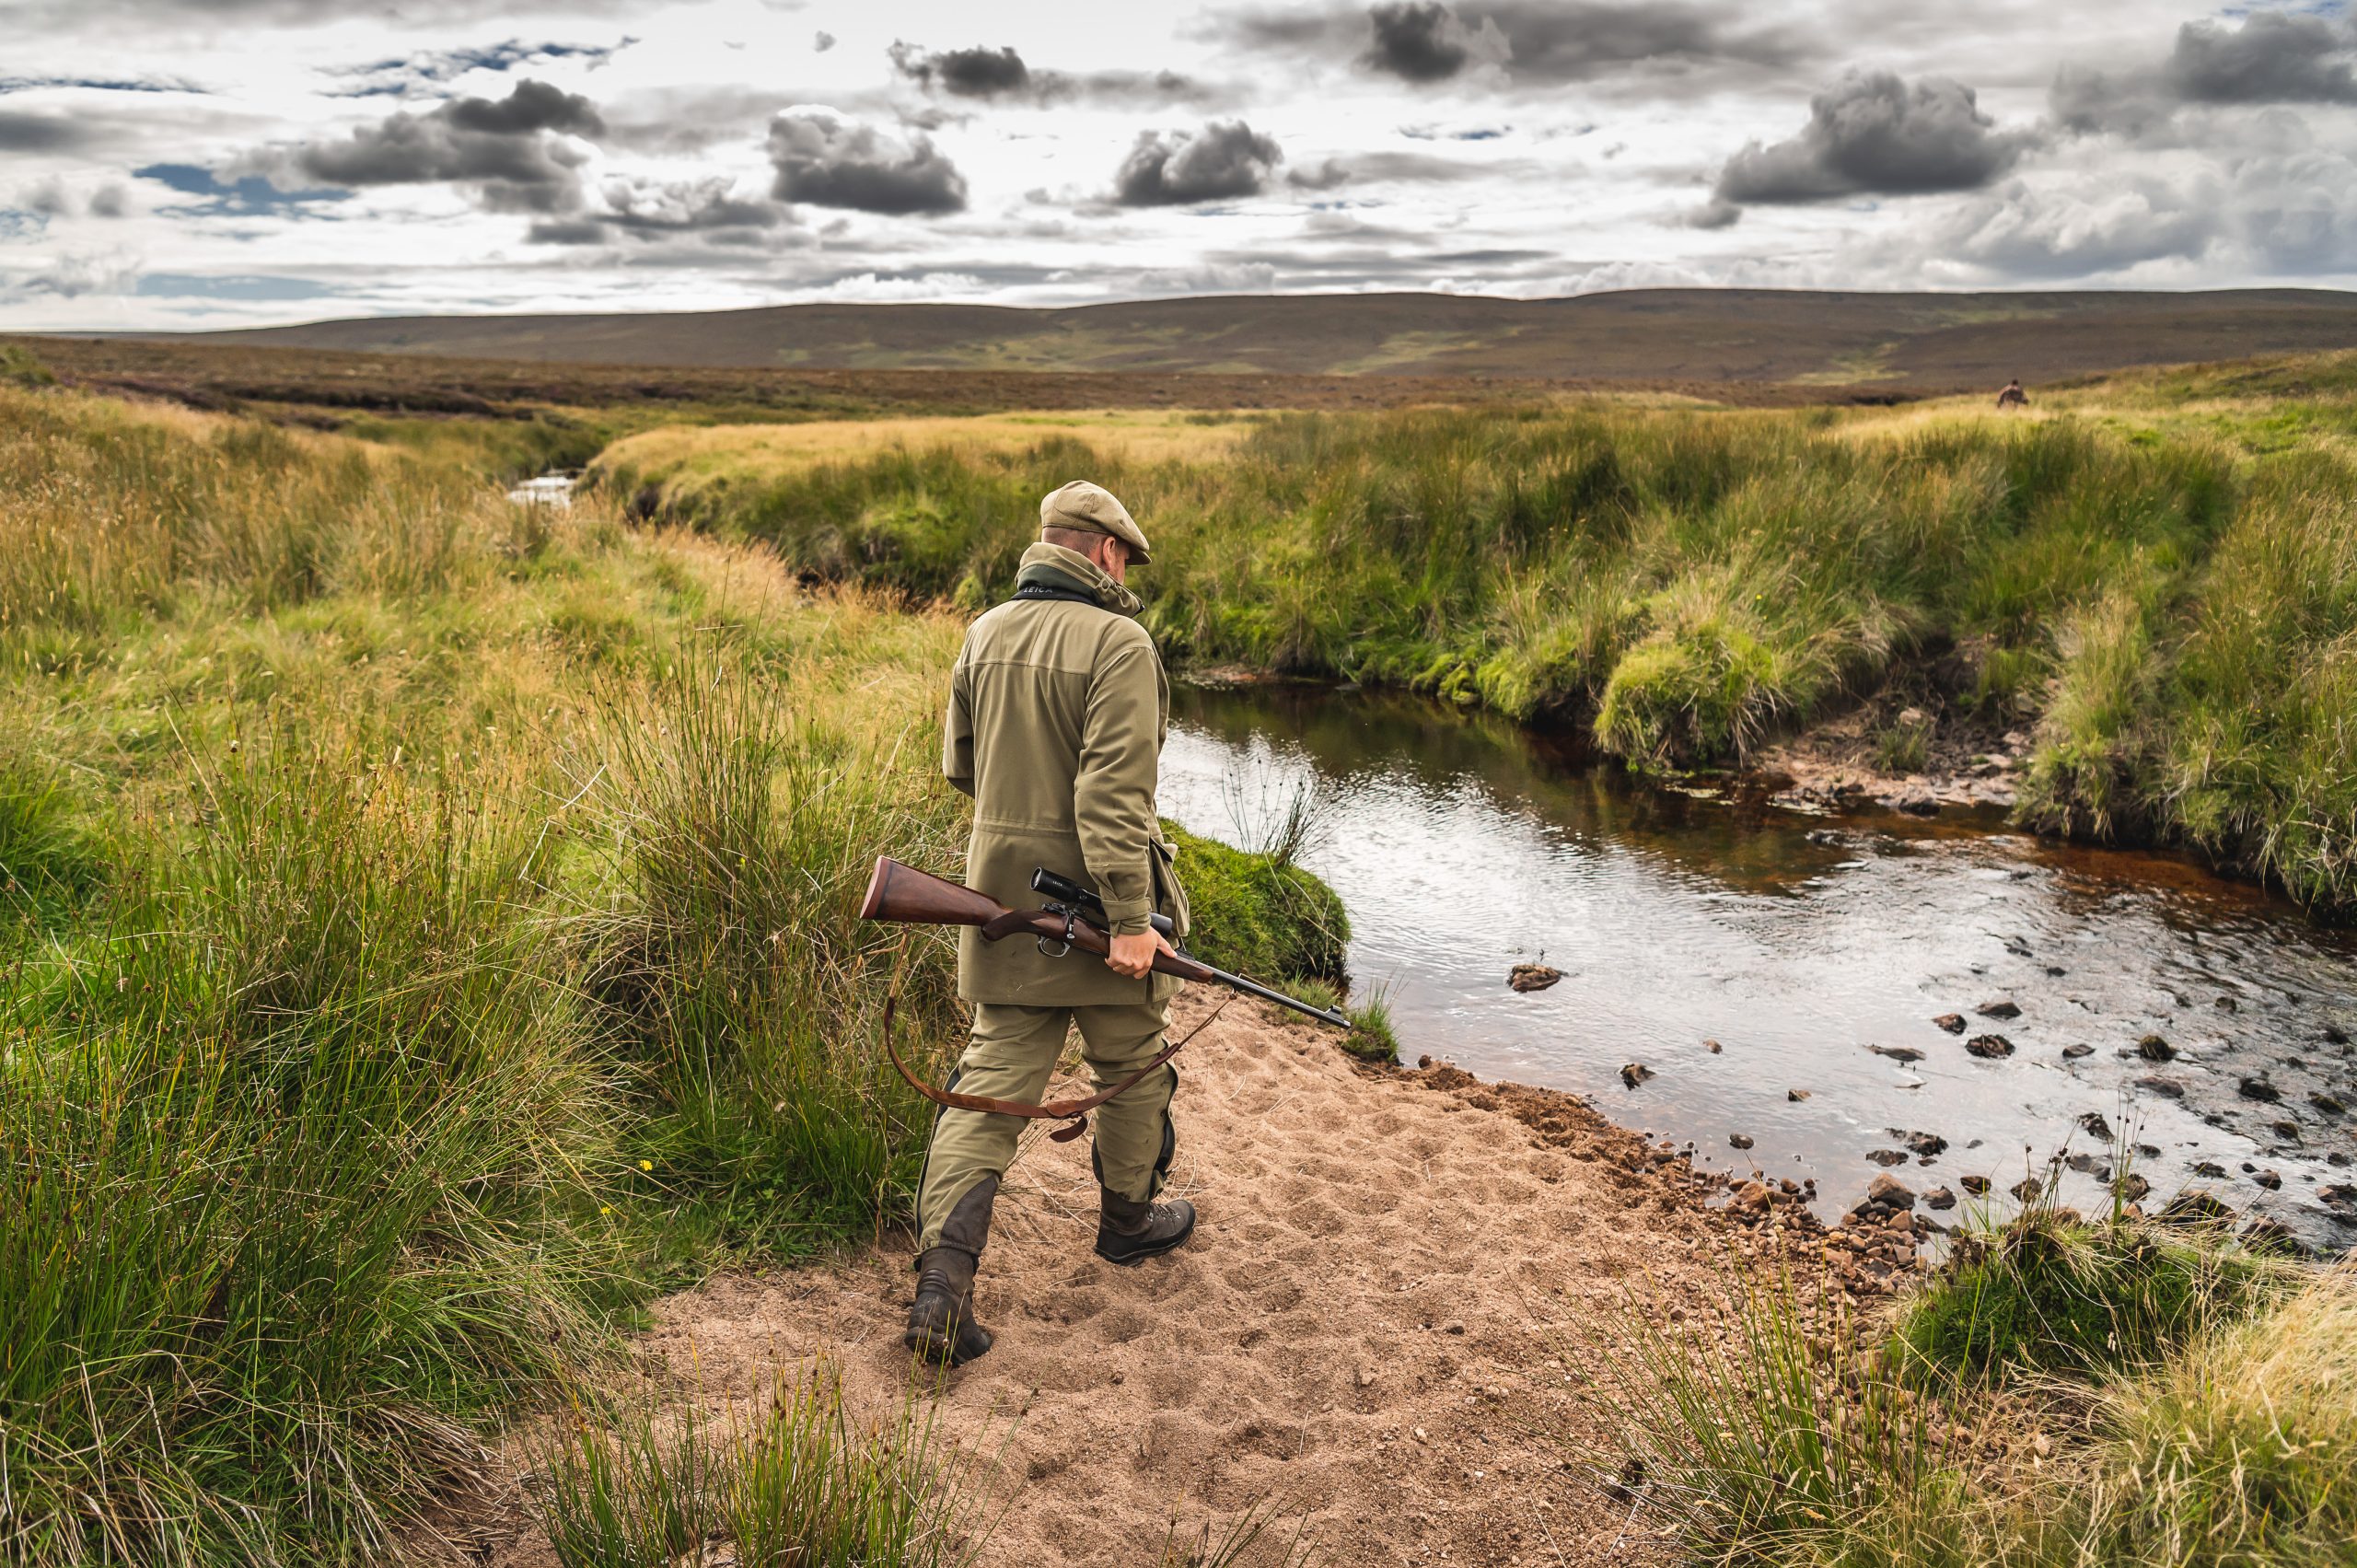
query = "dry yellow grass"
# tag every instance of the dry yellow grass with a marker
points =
(758, 452)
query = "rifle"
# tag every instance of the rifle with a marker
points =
(1073, 917)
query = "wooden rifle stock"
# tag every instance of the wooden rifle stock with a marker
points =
(910, 897)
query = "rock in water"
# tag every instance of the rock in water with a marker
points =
(2161, 1086)
(1976, 1185)
(1939, 1198)
(1887, 1156)
(1635, 1072)
(2072, 1052)
(2152, 1047)
(1901, 1052)
(1890, 1192)
(2095, 1126)
(1738, 1141)
(1533, 976)
(1989, 1047)
(2131, 1187)
(2260, 1090)
(1711, 1046)
(2026, 1188)
(1951, 1022)
(2269, 1179)
(2001, 1008)
(1796, 1096)
(1927, 1143)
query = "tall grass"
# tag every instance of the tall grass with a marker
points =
(1690, 584)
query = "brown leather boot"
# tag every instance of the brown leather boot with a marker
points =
(1130, 1230)
(941, 1321)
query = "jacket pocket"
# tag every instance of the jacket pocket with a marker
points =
(1170, 894)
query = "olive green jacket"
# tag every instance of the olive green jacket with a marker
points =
(1057, 712)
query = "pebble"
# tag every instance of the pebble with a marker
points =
(2260, 1090)
(2074, 1051)
(2152, 1047)
(1890, 1191)
(1635, 1072)
(1711, 1046)
(1532, 977)
(1990, 1047)
(1976, 1185)
(2095, 1126)
(2004, 1007)
(1738, 1140)
(1951, 1022)
(1939, 1198)
(1796, 1096)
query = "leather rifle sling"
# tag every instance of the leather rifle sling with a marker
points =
(1073, 1112)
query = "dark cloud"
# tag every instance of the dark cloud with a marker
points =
(1000, 74)
(1225, 159)
(823, 43)
(826, 160)
(1874, 135)
(508, 149)
(2274, 57)
(1539, 42)
(967, 73)
(21, 133)
(433, 67)
(1417, 43)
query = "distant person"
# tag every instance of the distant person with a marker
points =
(1058, 707)
(2011, 396)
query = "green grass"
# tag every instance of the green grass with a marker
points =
(1254, 916)
(2165, 1407)
(2163, 598)
(799, 1484)
(425, 934)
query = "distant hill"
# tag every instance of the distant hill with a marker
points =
(1904, 342)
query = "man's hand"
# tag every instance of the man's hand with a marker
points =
(1135, 956)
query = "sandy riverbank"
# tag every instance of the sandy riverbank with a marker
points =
(1385, 1320)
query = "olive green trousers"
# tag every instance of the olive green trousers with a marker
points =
(1010, 1056)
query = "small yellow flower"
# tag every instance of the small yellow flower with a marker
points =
(646, 1165)
(605, 1208)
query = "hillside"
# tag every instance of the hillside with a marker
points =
(1911, 342)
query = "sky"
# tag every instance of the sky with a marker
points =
(212, 163)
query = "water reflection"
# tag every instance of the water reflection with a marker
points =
(1463, 845)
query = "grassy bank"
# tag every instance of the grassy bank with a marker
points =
(2125, 1392)
(2160, 573)
(426, 932)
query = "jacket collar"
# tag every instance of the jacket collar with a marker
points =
(1058, 567)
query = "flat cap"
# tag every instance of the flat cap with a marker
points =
(1092, 508)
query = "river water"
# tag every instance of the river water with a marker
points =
(1465, 845)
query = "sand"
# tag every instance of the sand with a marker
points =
(1384, 1323)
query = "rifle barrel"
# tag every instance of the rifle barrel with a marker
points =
(1267, 994)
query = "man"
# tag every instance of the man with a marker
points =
(1057, 710)
(2010, 395)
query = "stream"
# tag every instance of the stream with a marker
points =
(1815, 952)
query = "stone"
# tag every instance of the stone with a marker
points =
(1951, 1022)
(1889, 1191)
(1901, 1052)
(2209, 1169)
(1990, 1047)
(1887, 1156)
(1711, 1046)
(1917, 802)
(1738, 1140)
(2004, 1007)
(2090, 1165)
(2260, 1090)
(1939, 1198)
(1635, 1072)
(2152, 1047)
(2287, 1131)
(2095, 1126)
(1796, 1096)
(2026, 1188)
(1532, 977)
(2328, 1105)
(1978, 1186)
(2073, 1053)
(2161, 1086)
(2193, 1206)
(2131, 1187)
(1926, 1145)
(2272, 1181)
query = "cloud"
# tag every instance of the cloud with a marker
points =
(1000, 74)
(52, 198)
(2274, 57)
(434, 68)
(823, 43)
(70, 277)
(1539, 42)
(1376, 169)
(828, 160)
(1423, 41)
(22, 132)
(1225, 158)
(1874, 135)
(967, 73)
(100, 84)
(511, 150)
(645, 209)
